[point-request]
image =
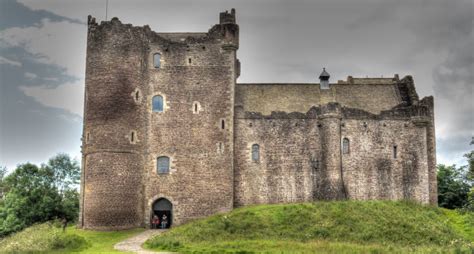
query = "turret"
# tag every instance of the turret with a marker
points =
(324, 79)
(230, 29)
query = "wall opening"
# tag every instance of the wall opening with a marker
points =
(137, 95)
(395, 152)
(220, 148)
(157, 60)
(157, 103)
(255, 153)
(133, 137)
(163, 165)
(196, 107)
(223, 124)
(345, 146)
(162, 214)
(189, 60)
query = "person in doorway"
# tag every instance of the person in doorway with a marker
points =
(164, 221)
(155, 222)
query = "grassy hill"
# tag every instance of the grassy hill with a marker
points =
(325, 227)
(322, 227)
(48, 238)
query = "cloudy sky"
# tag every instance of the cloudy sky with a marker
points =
(43, 43)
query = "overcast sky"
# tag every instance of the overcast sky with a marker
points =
(43, 44)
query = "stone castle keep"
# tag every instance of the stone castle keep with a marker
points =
(168, 130)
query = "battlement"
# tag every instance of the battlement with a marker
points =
(225, 32)
(226, 17)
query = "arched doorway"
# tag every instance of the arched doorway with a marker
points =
(163, 209)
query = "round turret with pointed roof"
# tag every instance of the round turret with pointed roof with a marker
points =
(324, 75)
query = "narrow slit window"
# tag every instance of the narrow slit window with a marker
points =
(137, 95)
(157, 103)
(163, 165)
(157, 60)
(345, 146)
(132, 136)
(395, 152)
(88, 136)
(255, 153)
(189, 60)
(222, 124)
(220, 148)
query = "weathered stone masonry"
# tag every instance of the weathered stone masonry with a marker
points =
(363, 138)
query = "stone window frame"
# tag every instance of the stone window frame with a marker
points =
(134, 95)
(196, 105)
(346, 146)
(156, 49)
(222, 123)
(259, 156)
(220, 147)
(153, 60)
(156, 165)
(165, 103)
(133, 137)
(88, 137)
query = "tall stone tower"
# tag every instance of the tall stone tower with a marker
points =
(158, 123)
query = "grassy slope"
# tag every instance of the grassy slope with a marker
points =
(45, 238)
(102, 241)
(326, 227)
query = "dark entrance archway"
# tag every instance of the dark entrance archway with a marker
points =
(163, 208)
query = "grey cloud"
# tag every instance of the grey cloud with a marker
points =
(290, 41)
(29, 129)
(14, 14)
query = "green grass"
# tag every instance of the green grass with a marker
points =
(325, 227)
(48, 238)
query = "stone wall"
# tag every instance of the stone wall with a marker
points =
(371, 170)
(194, 70)
(284, 173)
(302, 157)
(119, 176)
(111, 195)
(370, 95)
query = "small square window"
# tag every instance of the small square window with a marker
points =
(163, 165)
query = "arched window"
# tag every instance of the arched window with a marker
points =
(157, 103)
(345, 146)
(163, 165)
(255, 153)
(157, 60)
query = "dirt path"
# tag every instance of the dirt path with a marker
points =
(134, 244)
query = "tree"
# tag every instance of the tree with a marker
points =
(470, 160)
(3, 172)
(66, 172)
(453, 186)
(37, 194)
(30, 198)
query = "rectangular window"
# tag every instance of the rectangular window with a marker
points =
(394, 152)
(157, 60)
(255, 153)
(163, 165)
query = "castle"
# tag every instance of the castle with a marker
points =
(169, 131)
